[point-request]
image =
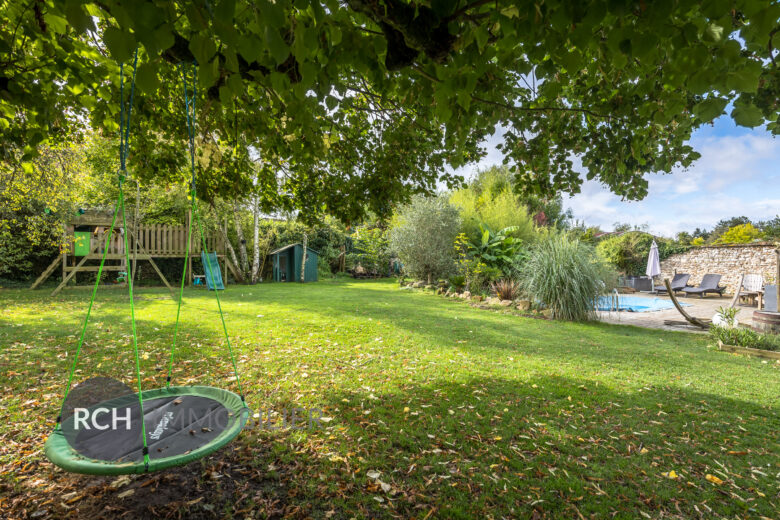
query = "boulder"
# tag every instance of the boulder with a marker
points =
(418, 284)
(465, 295)
(476, 298)
(492, 300)
(547, 313)
(524, 305)
(505, 303)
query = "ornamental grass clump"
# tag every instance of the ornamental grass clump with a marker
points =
(567, 276)
(506, 289)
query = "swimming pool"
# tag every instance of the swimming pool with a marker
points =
(635, 304)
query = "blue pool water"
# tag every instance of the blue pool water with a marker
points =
(636, 303)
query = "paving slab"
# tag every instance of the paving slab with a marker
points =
(699, 307)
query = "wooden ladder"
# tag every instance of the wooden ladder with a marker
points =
(47, 273)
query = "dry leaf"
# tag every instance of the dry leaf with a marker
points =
(712, 478)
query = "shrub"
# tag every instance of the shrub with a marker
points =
(371, 246)
(457, 282)
(423, 234)
(495, 249)
(628, 252)
(567, 276)
(489, 201)
(506, 288)
(743, 337)
(741, 234)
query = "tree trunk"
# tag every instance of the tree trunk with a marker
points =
(256, 235)
(304, 256)
(230, 250)
(241, 240)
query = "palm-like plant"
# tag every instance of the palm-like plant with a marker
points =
(496, 249)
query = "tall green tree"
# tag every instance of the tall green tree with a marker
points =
(361, 103)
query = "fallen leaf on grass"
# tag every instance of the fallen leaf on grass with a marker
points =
(373, 474)
(712, 478)
(121, 481)
(126, 494)
(672, 475)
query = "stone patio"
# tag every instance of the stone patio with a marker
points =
(699, 308)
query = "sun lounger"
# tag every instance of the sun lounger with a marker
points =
(679, 282)
(709, 284)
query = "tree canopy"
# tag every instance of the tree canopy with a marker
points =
(357, 104)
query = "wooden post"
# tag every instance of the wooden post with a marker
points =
(65, 249)
(136, 226)
(187, 234)
(777, 278)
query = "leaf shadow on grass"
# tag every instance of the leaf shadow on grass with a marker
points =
(625, 350)
(539, 433)
(552, 446)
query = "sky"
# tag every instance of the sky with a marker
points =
(738, 174)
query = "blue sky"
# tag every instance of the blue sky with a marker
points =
(738, 174)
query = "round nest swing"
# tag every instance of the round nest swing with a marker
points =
(164, 427)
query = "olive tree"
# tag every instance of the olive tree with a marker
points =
(423, 236)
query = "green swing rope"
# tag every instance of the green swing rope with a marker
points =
(124, 146)
(189, 105)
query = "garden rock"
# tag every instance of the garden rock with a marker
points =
(505, 303)
(524, 305)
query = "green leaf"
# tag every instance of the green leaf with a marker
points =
(146, 78)
(511, 12)
(208, 74)
(279, 50)
(236, 84)
(202, 48)
(481, 35)
(714, 33)
(746, 79)
(709, 109)
(748, 115)
(58, 24)
(271, 14)
(77, 17)
(335, 35)
(163, 38)
(120, 44)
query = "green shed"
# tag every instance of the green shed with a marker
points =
(286, 263)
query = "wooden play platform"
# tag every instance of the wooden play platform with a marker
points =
(85, 238)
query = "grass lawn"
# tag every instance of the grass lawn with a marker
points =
(463, 413)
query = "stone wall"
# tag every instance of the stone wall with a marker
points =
(730, 261)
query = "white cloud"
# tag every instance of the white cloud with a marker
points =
(736, 175)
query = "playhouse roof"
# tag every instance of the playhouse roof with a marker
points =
(292, 245)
